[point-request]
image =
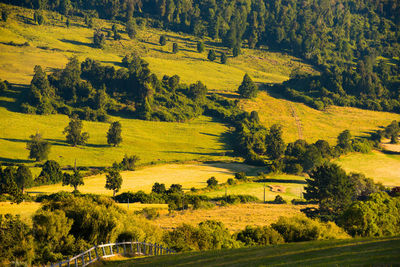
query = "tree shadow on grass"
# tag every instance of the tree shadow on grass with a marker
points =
(161, 51)
(288, 181)
(16, 161)
(77, 42)
(98, 145)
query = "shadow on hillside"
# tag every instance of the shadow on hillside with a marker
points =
(25, 20)
(148, 42)
(15, 140)
(13, 93)
(15, 161)
(184, 39)
(57, 142)
(161, 51)
(76, 42)
(97, 145)
(390, 152)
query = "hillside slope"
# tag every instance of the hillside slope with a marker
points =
(368, 252)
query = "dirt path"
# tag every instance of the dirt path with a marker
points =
(297, 119)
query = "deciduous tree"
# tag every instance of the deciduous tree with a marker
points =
(39, 149)
(113, 181)
(74, 133)
(114, 134)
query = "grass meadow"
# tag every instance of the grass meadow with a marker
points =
(188, 175)
(350, 252)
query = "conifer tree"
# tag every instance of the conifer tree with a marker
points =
(247, 89)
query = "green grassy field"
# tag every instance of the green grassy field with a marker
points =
(188, 175)
(316, 124)
(382, 167)
(353, 252)
(288, 186)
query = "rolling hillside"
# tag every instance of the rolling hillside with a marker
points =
(355, 252)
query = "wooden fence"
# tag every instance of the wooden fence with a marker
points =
(132, 248)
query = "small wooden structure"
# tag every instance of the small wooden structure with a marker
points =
(131, 248)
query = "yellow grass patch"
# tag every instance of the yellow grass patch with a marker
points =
(235, 217)
(188, 175)
(24, 209)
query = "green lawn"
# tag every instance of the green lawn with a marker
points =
(353, 252)
(288, 186)
(382, 167)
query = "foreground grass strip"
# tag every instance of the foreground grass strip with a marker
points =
(317, 253)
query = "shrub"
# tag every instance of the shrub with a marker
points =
(211, 55)
(230, 181)
(212, 182)
(300, 228)
(259, 236)
(240, 176)
(279, 200)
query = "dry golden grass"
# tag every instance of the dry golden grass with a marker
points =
(235, 217)
(316, 124)
(24, 209)
(188, 175)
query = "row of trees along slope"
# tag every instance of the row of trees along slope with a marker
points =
(356, 43)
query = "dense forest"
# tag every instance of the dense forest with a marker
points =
(355, 43)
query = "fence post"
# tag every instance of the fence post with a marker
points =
(95, 251)
(76, 262)
(83, 259)
(124, 248)
(116, 245)
(155, 249)
(90, 256)
(103, 249)
(138, 247)
(131, 246)
(161, 249)
(68, 262)
(111, 251)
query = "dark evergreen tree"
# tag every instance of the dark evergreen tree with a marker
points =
(274, 142)
(99, 40)
(344, 140)
(114, 134)
(8, 184)
(39, 149)
(51, 173)
(175, 48)
(4, 14)
(200, 47)
(131, 28)
(74, 133)
(212, 182)
(247, 89)
(67, 23)
(211, 55)
(197, 91)
(331, 188)
(223, 58)
(113, 181)
(23, 178)
(236, 51)
(163, 40)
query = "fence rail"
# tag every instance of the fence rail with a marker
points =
(132, 248)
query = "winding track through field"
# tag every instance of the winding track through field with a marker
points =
(297, 119)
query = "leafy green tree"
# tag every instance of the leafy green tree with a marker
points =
(38, 17)
(51, 173)
(175, 48)
(67, 23)
(16, 240)
(212, 182)
(211, 55)
(223, 58)
(113, 181)
(377, 216)
(344, 140)
(128, 163)
(75, 179)
(65, 7)
(131, 28)
(163, 40)
(175, 188)
(331, 188)
(259, 236)
(74, 133)
(200, 47)
(114, 134)
(99, 39)
(274, 142)
(158, 188)
(39, 149)
(248, 89)
(8, 184)
(197, 91)
(23, 178)
(236, 51)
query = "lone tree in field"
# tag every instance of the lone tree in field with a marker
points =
(211, 55)
(163, 40)
(114, 134)
(39, 149)
(344, 140)
(23, 177)
(131, 28)
(175, 48)
(50, 174)
(74, 180)
(236, 51)
(247, 89)
(224, 58)
(73, 132)
(200, 47)
(99, 39)
(4, 14)
(212, 182)
(113, 181)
